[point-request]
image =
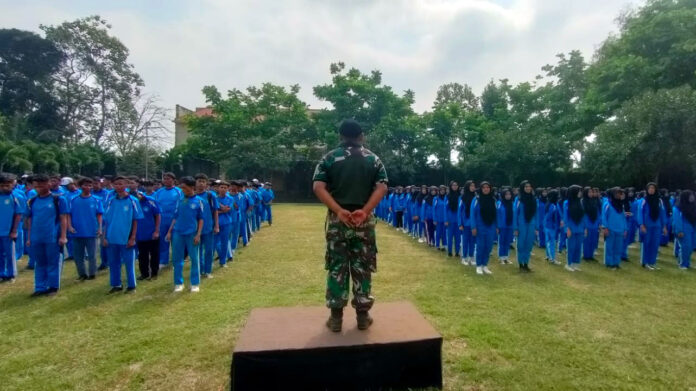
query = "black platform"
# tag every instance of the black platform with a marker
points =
(291, 349)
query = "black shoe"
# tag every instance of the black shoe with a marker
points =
(82, 278)
(141, 278)
(116, 289)
(51, 291)
(69, 259)
(449, 254)
(38, 293)
(364, 320)
(130, 290)
(30, 267)
(335, 321)
(102, 267)
(91, 277)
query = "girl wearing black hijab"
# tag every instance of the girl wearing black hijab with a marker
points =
(427, 212)
(484, 226)
(525, 224)
(562, 197)
(418, 221)
(652, 219)
(506, 225)
(667, 202)
(440, 218)
(590, 204)
(552, 224)
(615, 229)
(575, 228)
(452, 227)
(684, 220)
(468, 240)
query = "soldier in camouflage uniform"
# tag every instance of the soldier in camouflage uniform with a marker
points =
(351, 181)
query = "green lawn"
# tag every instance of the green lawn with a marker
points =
(595, 329)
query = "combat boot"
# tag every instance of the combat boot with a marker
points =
(335, 321)
(364, 320)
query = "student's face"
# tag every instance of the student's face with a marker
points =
(234, 189)
(544, 193)
(433, 192)
(651, 190)
(579, 194)
(107, 183)
(168, 181)
(472, 187)
(424, 190)
(6, 188)
(222, 189)
(54, 183)
(515, 191)
(86, 187)
(149, 189)
(186, 189)
(42, 187)
(201, 184)
(486, 190)
(120, 185)
(528, 188)
(508, 195)
(443, 191)
(692, 198)
(455, 186)
(96, 186)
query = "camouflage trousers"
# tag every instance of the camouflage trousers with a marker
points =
(350, 253)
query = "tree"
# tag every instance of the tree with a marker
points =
(27, 62)
(94, 81)
(457, 93)
(650, 135)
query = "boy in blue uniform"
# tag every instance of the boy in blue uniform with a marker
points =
(148, 234)
(167, 199)
(185, 234)
(267, 197)
(235, 216)
(121, 226)
(84, 223)
(211, 226)
(47, 227)
(11, 211)
(225, 212)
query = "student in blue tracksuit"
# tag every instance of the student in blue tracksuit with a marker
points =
(185, 234)
(243, 207)
(407, 210)
(652, 219)
(668, 204)
(615, 229)
(418, 221)
(251, 204)
(684, 227)
(552, 224)
(506, 225)
(267, 197)
(236, 208)
(11, 210)
(398, 204)
(21, 197)
(574, 227)
(592, 208)
(630, 224)
(147, 237)
(211, 226)
(427, 214)
(525, 224)
(167, 198)
(453, 236)
(225, 212)
(85, 225)
(562, 240)
(121, 217)
(468, 240)
(47, 227)
(541, 208)
(484, 226)
(258, 209)
(440, 219)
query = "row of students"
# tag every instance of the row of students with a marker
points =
(467, 222)
(126, 218)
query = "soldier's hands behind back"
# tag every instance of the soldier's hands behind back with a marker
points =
(359, 217)
(346, 217)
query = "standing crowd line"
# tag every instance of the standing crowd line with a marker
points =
(118, 219)
(467, 221)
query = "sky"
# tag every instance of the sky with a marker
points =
(179, 46)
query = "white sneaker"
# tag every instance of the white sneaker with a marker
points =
(479, 270)
(465, 262)
(555, 262)
(502, 261)
(487, 270)
(576, 268)
(161, 266)
(569, 268)
(683, 268)
(178, 288)
(208, 275)
(195, 288)
(223, 265)
(421, 240)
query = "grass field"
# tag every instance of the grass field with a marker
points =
(551, 329)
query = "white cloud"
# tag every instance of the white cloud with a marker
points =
(180, 46)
